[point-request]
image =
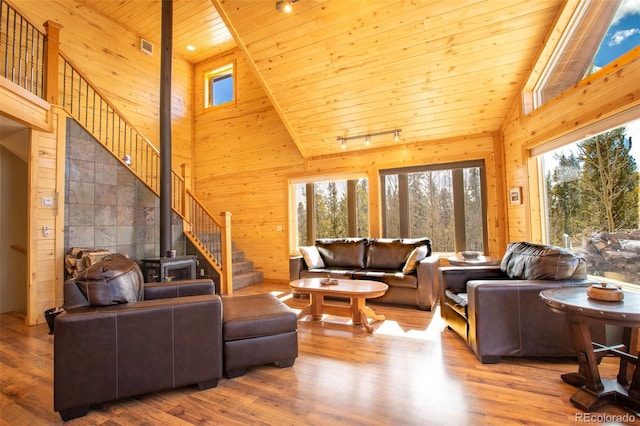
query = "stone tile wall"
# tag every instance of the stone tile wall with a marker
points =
(106, 206)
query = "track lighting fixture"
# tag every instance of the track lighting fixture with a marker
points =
(367, 138)
(285, 5)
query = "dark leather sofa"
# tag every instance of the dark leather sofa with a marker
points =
(407, 266)
(118, 337)
(497, 309)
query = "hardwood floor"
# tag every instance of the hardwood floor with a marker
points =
(408, 372)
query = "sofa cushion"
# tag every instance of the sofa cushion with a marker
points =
(392, 254)
(390, 278)
(112, 281)
(415, 256)
(334, 272)
(529, 261)
(346, 253)
(312, 257)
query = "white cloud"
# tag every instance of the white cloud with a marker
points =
(621, 35)
(628, 7)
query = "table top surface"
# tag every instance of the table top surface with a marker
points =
(458, 260)
(574, 301)
(344, 287)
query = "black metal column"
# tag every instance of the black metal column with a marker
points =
(165, 126)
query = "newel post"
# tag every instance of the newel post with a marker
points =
(51, 59)
(226, 279)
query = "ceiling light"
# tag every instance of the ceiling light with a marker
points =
(285, 5)
(343, 143)
(367, 140)
(191, 48)
(396, 135)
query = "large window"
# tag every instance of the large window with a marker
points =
(443, 202)
(591, 200)
(331, 209)
(219, 86)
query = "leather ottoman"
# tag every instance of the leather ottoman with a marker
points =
(257, 329)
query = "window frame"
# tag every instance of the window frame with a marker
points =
(209, 79)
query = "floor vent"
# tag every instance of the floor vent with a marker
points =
(146, 46)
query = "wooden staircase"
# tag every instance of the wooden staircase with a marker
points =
(60, 83)
(244, 273)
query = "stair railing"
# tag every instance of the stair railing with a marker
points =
(31, 59)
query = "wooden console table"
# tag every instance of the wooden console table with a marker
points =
(580, 310)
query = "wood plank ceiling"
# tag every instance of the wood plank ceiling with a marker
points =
(435, 69)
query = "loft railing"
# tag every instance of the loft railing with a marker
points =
(22, 46)
(31, 59)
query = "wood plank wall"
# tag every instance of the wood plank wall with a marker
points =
(109, 57)
(245, 159)
(45, 266)
(612, 90)
(243, 155)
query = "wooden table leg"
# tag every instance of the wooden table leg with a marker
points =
(317, 301)
(592, 393)
(360, 313)
(634, 388)
(622, 372)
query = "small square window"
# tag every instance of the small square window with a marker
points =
(219, 86)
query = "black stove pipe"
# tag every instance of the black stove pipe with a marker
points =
(165, 127)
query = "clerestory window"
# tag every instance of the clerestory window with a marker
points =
(597, 33)
(219, 86)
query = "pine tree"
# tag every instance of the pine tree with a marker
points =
(566, 216)
(609, 181)
(362, 208)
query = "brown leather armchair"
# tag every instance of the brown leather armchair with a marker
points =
(497, 309)
(119, 337)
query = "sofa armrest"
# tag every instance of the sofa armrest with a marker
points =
(508, 318)
(113, 352)
(296, 265)
(456, 277)
(181, 288)
(428, 278)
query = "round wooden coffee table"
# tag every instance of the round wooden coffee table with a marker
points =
(580, 310)
(358, 291)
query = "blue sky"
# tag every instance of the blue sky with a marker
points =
(623, 35)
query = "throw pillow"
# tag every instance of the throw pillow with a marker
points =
(312, 257)
(112, 281)
(416, 256)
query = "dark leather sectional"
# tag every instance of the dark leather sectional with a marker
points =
(118, 337)
(497, 309)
